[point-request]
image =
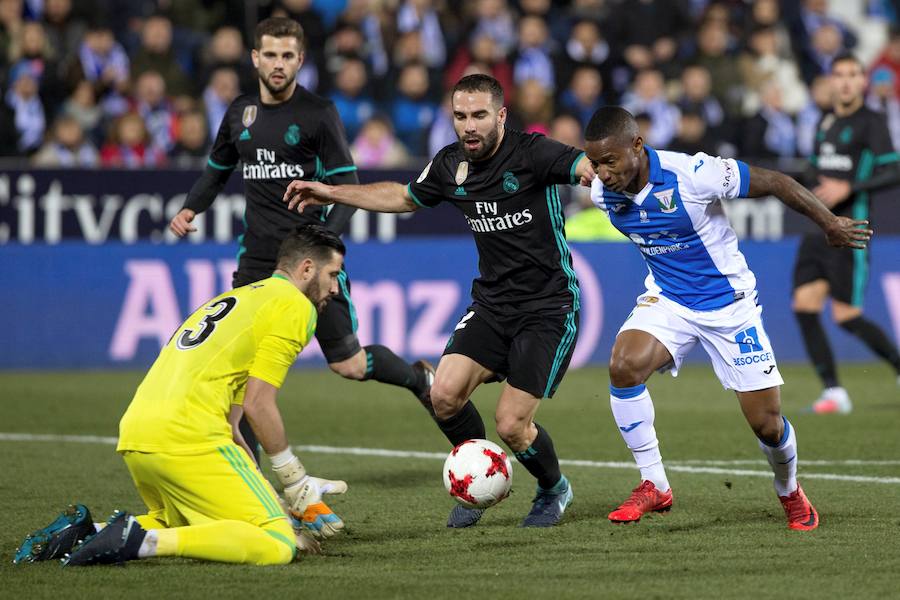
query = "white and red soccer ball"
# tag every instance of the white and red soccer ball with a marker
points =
(478, 474)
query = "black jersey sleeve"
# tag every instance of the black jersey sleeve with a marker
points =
(427, 190)
(553, 162)
(880, 141)
(224, 154)
(332, 143)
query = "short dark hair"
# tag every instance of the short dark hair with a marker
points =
(481, 83)
(610, 121)
(278, 27)
(844, 56)
(309, 241)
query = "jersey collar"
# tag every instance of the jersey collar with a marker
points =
(654, 178)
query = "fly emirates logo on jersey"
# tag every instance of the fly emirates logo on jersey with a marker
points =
(488, 218)
(265, 167)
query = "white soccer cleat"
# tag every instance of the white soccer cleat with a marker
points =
(833, 400)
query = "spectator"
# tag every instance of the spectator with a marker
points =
(883, 98)
(192, 144)
(412, 112)
(820, 102)
(349, 96)
(818, 37)
(585, 47)
(533, 109)
(770, 133)
(567, 129)
(533, 60)
(67, 147)
(767, 14)
(156, 54)
(127, 145)
(366, 17)
(692, 135)
(648, 95)
(648, 32)
(11, 23)
(34, 49)
(222, 89)
(22, 97)
(419, 16)
(63, 30)
(890, 58)
(761, 64)
(584, 94)
(376, 145)
(442, 132)
(495, 20)
(345, 43)
(696, 96)
(151, 103)
(9, 135)
(104, 63)
(226, 50)
(712, 53)
(483, 50)
(82, 106)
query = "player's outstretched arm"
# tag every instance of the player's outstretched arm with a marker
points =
(385, 196)
(840, 231)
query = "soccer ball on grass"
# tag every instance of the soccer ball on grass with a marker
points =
(478, 474)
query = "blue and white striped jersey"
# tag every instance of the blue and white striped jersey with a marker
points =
(679, 225)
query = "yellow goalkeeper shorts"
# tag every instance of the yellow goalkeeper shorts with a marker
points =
(219, 485)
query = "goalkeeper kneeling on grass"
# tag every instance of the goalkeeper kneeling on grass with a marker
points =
(206, 497)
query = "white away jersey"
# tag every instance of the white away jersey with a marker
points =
(679, 225)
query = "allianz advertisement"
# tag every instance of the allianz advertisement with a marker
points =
(78, 305)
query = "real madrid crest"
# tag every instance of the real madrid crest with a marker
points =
(462, 171)
(249, 115)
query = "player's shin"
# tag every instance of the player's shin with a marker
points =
(467, 424)
(540, 460)
(782, 456)
(633, 411)
(385, 366)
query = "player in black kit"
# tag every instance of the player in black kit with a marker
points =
(523, 319)
(284, 133)
(853, 157)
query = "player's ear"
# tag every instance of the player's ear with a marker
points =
(638, 145)
(254, 55)
(302, 56)
(501, 115)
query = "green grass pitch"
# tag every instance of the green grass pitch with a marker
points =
(725, 537)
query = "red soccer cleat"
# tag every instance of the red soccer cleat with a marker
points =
(644, 498)
(801, 514)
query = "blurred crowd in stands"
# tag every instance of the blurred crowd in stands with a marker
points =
(145, 83)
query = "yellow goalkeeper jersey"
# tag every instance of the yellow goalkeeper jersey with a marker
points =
(182, 405)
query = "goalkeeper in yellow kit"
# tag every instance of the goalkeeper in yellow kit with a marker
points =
(205, 496)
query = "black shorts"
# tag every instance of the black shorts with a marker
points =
(845, 269)
(531, 351)
(336, 328)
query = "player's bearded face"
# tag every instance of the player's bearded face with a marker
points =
(478, 123)
(848, 81)
(277, 62)
(324, 284)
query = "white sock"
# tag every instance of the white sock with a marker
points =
(148, 546)
(783, 460)
(633, 411)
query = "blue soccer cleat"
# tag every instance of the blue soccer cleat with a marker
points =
(58, 538)
(115, 544)
(462, 516)
(549, 505)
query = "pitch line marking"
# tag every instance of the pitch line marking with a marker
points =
(695, 466)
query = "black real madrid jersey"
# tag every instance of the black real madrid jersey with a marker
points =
(511, 204)
(301, 138)
(851, 148)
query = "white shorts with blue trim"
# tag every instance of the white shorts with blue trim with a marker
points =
(733, 337)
